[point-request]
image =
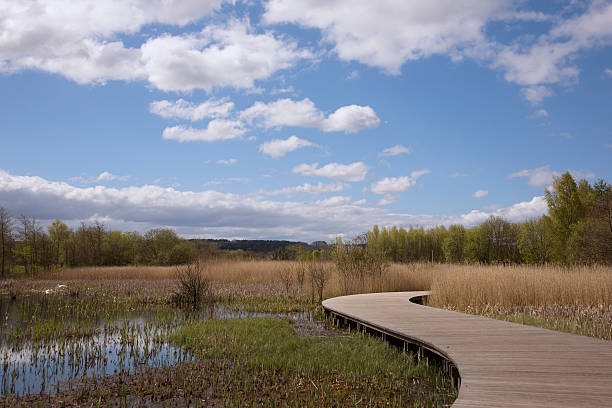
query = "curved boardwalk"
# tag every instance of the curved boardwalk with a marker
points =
(501, 364)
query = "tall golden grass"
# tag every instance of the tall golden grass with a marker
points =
(577, 300)
(459, 285)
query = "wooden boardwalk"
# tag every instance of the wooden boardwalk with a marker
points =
(501, 364)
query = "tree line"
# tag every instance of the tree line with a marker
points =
(27, 247)
(577, 229)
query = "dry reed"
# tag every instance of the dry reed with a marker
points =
(577, 300)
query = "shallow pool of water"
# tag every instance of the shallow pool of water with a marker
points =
(112, 346)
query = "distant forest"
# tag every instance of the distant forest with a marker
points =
(577, 230)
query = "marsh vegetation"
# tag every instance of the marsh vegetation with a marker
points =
(117, 336)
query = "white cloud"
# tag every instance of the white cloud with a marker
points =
(218, 56)
(215, 214)
(227, 162)
(182, 109)
(278, 147)
(397, 184)
(346, 172)
(304, 113)
(608, 72)
(388, 33)
(457, 174)
(351, 118)
(536, 94)
(308, 188)
(284, 112)
(540, 176)
(395, 150)
(480, 194)
(539, 113)
(548, 58)
(217, 129)
(609, 145)
(75, 39)
(79, 41)
(387, 199)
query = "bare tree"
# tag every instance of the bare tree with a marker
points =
(6, 238)
(285, 273)
(319, 275)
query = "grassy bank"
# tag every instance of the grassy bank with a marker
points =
(282, 367)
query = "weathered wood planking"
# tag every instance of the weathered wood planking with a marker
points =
(501, 364)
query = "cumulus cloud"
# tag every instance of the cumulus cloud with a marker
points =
(217, 129)
(397, 184)
(480, 194)
(79, 41)
(346, 172)
(608, 72)
(388, 33)
(279, 147)
(182, 109)
(75, 39)
(194, 213)
(230, 55)
(395, 150)
(308, 188)
(304, 113)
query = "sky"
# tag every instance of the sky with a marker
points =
(299, 119)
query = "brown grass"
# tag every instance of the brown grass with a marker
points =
(577, 300)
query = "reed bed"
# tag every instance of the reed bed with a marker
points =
(576, 300)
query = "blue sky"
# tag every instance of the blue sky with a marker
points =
(299, 119)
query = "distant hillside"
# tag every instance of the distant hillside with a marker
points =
(256, 245)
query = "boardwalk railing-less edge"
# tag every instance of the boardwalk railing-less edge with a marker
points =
(492, 362)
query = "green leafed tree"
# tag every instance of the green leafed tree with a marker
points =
(454, 243)
(566, 208)
(59, 233)
(535, 241)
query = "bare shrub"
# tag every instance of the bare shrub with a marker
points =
(285, 274)
(319, 274)
(192, 286)
(299, 269)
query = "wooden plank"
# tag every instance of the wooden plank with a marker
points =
(501, 364)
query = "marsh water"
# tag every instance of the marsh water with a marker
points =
(41, 351)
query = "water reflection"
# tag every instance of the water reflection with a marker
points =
(102, 347)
